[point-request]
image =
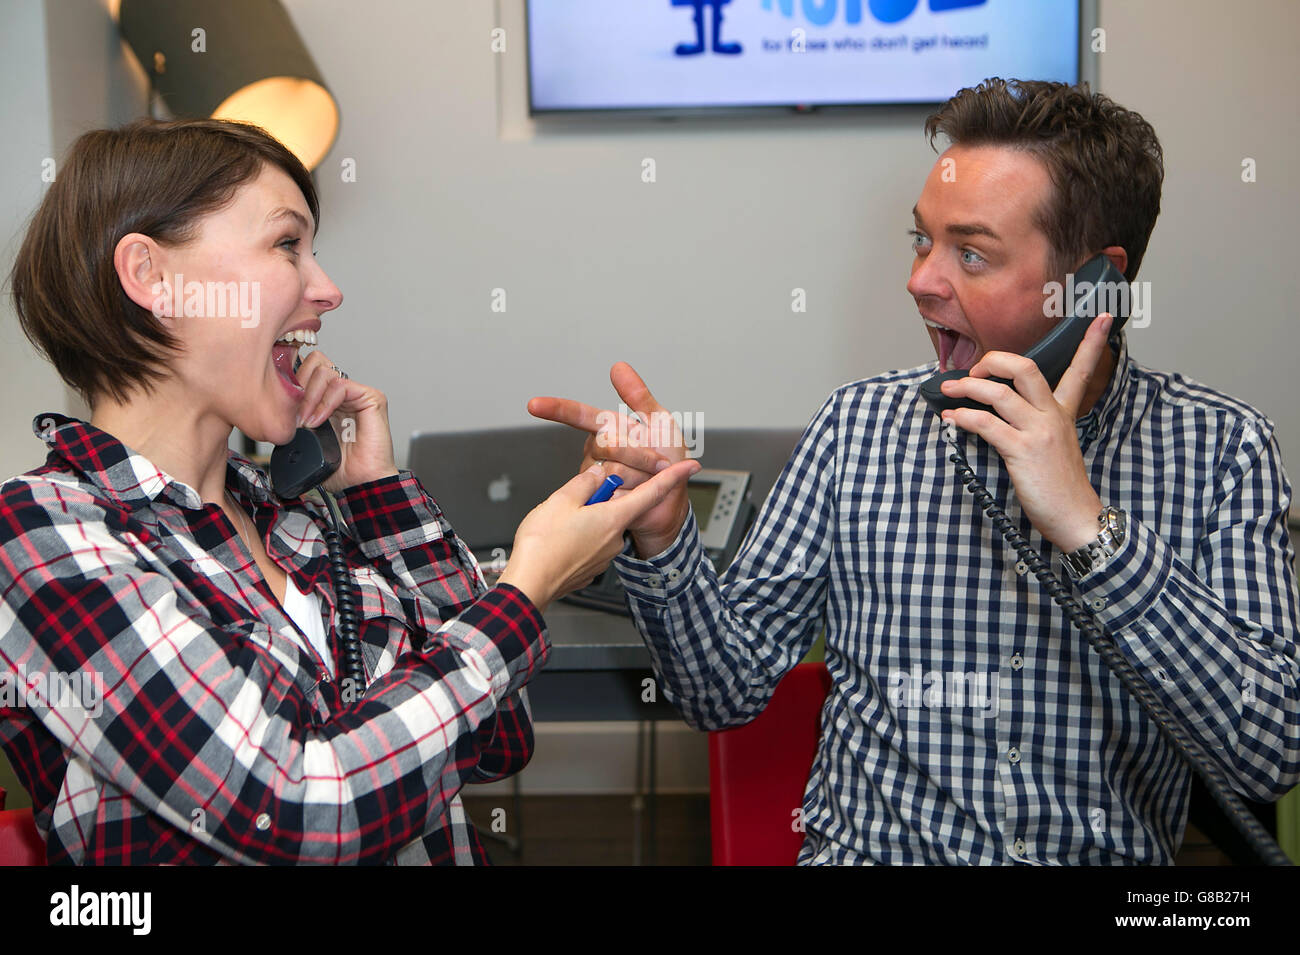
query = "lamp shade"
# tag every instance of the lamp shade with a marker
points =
(234, 59)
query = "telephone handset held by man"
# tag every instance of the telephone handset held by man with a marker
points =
(1053, 355)
(1098, 287)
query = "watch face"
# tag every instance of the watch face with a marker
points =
(1114, 521)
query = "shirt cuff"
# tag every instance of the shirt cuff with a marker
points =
(516, 645)
(1121, 590)
(390, 514)
(665, 575)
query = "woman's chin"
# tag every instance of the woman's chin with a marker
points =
(284, 436)
(281, 432)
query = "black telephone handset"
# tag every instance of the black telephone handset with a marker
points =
(1053, 355)
(307, 461)
(1098, 287)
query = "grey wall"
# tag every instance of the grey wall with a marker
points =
(28, 386)
(63, 70)
(1218, 83)
(689, 278)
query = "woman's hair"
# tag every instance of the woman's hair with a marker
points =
(1105, 162)
(152, 177)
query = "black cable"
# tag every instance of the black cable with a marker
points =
(1187, 746)
(347, 599)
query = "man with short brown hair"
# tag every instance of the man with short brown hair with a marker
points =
(967, 721)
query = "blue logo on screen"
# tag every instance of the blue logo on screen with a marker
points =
(718, 45)
(821, 12)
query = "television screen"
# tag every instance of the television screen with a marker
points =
(685, 54)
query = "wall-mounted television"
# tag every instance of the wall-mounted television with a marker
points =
(688, 55)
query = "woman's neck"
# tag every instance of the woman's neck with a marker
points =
(189, 446)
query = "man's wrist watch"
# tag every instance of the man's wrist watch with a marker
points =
(1093, 555)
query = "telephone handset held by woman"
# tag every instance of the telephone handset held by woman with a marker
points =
(307, 461)
(309, 458)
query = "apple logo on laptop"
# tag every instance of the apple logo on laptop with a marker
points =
(499, 490)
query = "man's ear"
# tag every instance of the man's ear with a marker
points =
(1118, 257)
(137, 259)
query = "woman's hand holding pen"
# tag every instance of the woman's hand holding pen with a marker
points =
(634, 450)
(562, 545)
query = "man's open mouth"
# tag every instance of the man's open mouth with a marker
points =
(955, 349)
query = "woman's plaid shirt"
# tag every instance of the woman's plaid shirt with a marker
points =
(160, 707)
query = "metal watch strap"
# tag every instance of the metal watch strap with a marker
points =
(1109, 540)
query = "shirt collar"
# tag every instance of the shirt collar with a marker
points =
(128, 476)
(1104, 410)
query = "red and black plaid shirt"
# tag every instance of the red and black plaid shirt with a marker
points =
(161, 707)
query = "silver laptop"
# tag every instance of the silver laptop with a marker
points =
(487, 481)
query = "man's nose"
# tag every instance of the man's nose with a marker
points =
(927, 277)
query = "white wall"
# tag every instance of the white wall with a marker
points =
(28, 386)
(690, 278)
(1218, 81)
(63, 70)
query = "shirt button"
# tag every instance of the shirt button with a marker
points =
(1017, 661)
(1097, 603)
(1013, 755)
(1018, 847)
(674, 574)
(263, 822)
(655, 580)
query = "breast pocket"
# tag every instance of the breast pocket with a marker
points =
(384, 625)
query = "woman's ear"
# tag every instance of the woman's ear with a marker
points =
(137, 259)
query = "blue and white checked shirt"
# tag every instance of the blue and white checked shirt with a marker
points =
(967, 721)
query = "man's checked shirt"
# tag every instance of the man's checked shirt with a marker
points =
(216, 734)
(967, 721)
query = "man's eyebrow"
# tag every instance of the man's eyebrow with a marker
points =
(964, 228)
(284, 212)
(973, 228)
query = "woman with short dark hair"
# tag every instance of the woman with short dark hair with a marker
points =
(168, 276)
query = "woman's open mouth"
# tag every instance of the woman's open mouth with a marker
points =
(283, 353)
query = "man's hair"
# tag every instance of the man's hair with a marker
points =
(1105, 162)
(152, 177)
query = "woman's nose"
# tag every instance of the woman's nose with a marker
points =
(324, 292)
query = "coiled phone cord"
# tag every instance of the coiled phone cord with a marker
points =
(347, 599)
(1187, 746)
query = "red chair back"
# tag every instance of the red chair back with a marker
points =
(20, 841)
(758, 772)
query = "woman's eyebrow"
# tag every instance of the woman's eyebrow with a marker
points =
(283, 212)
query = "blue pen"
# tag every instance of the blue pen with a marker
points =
(606, 490)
